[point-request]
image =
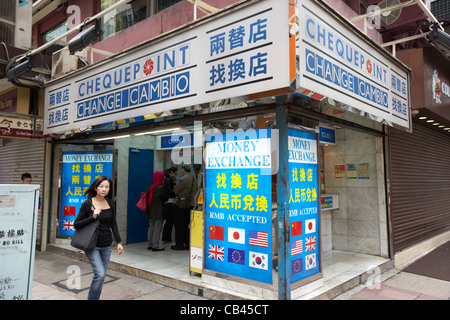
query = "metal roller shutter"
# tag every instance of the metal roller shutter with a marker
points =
(18, 156)
(419, 185)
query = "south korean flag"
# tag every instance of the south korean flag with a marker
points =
(258, 260)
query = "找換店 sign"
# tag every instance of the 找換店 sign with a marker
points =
(79, 170)
(341, 64)
(243, 52)
(238, 204)
(303, 205)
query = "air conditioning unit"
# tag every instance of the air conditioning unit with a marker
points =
(63, 62)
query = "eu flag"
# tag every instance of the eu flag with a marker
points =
(236, 256)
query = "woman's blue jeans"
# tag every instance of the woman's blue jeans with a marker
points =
(99, 259)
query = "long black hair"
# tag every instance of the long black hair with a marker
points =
(90, 192)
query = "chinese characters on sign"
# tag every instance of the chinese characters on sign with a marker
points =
(240, 53)
(58, 106)
(79, 170)
(18, 224)
(229, 46)
(19, 128)
(238, 205)
(345, 67)
(303, 204)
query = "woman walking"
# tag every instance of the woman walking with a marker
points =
(100, 206)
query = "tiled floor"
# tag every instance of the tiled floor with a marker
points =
(338, 267)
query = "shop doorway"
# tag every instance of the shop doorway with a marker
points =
(140, 175)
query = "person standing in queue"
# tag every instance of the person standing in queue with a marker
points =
(100, 206)
(157, 196)
(186, 188)
(169, 181)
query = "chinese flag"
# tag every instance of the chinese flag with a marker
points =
(296, 228)
(216, 233)
(70, 211)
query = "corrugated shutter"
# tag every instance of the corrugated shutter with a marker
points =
(419, 185)
(21, 155)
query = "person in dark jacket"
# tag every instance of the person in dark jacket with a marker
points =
(186, 188)
(169, 181)
(99, 206)
(157, 196)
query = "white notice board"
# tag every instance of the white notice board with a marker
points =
(18, 220)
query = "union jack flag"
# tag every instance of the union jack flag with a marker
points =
(216, 252)
(68, 225)
(310, 243)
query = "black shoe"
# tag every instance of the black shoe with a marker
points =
(157, 249)
(176, 248)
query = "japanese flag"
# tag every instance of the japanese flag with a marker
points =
(236, 235)
(310, 226)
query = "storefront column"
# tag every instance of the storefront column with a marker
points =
(284, 278)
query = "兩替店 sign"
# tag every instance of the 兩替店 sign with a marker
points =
(342, 65)
(236, 54)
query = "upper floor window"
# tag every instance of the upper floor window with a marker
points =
(7, 19)
(54, 33)
(129, 14)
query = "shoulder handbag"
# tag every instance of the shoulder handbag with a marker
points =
(142, 203)
(86, 237)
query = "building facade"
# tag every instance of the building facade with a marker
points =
(300, 121)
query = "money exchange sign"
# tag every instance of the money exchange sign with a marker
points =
(303, 204)
(238, 206)
(79, 170)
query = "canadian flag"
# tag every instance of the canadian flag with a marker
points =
(310, 226)
(236, 235)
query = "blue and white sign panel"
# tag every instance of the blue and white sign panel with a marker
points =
(244, 52)
(303, 205)
(238, 204)
(341, 65)
(175, 141)
(327, 135)
(79, 170)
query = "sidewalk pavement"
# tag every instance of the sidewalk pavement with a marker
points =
(57, 277)
(424, 278)
(62, 278)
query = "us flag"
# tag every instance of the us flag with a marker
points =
(216, 252)
(310, 243)
(296, 247)
(258, 238)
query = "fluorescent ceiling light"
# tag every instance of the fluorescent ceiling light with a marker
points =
(157, 131)
(422, 118)
(111, 137)
(430, 120)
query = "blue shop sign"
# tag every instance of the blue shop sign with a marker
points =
(79, 170)
(327, 135)
(238, 204)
